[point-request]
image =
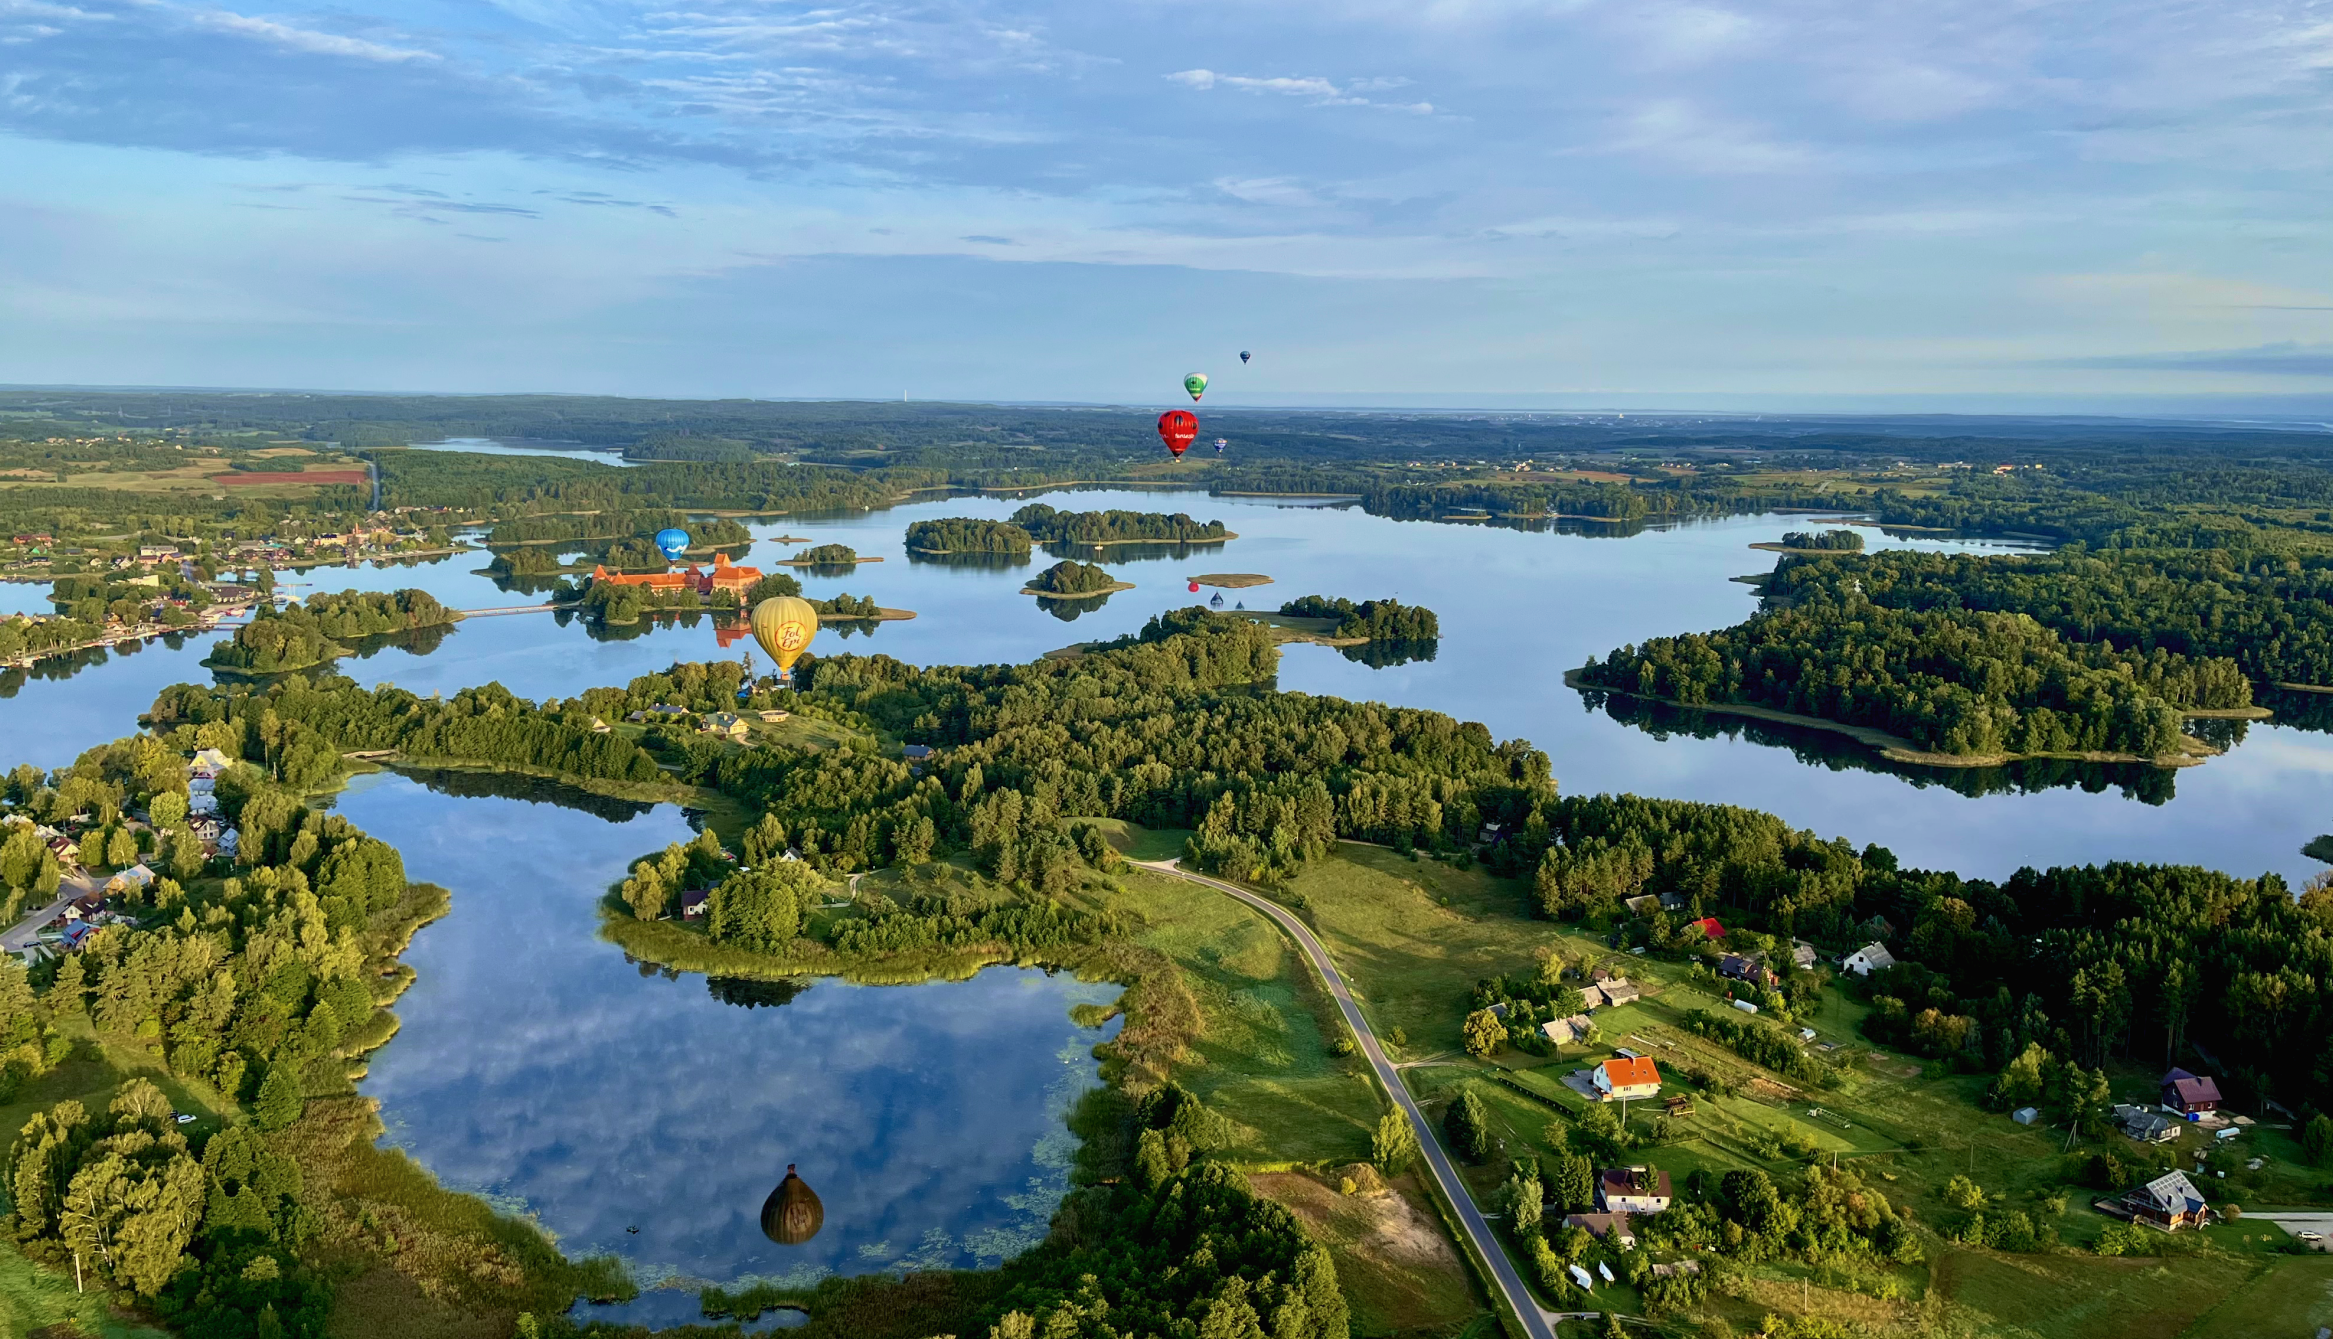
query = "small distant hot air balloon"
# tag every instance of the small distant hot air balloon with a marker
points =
(1194, 588)
(1219, 445)
(1196, 384)
(672, 543)
(1177, 428)
(792, 1214)
(1243, 355)
(784, 625)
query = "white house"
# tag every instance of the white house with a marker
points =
(1872, 957)
(1633, 1190)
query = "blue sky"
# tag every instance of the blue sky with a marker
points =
(1770, 202)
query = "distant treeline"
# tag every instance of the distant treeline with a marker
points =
(1104, 527)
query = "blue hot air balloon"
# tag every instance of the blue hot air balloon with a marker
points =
(673, 543)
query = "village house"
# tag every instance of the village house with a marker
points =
(1709, 928)
(1619, 990)
(694, 904)
(1745, 967)
(916, 752)
(2169, 1202)
(1565, 1031)
(1803, 954)
(1644, 904)
(1626, 1078)
(2147, 1127)
(1633, 1190)
(1612, 1227)
(727, 724)
(2190, 1094)
(1872, 957)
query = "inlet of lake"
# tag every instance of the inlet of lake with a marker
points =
(538, 1067)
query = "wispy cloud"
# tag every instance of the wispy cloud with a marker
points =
(1311, 88)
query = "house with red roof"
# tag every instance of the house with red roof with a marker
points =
(1709, 927)
(2190, 1094)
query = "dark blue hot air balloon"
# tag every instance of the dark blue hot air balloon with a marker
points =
(673, 543)
(1243, 355)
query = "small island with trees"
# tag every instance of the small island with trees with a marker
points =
(1074, 580)
(1052, 526)
(965, 534)
(827, 555)
(1816, 541)
(302, 636)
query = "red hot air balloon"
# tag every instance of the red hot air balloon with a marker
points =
(1194, 588)
(1178, 428)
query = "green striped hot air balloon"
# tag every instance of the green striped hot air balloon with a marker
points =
(1196, 384)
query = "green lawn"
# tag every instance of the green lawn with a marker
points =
(33, 1298)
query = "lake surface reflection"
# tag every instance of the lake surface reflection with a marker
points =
(1518, 608)
(649, 1116)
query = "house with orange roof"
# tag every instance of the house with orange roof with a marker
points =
(1626, 1078)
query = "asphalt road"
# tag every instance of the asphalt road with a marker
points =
(1536, 1323)
(20, 936)
(2297, 1223)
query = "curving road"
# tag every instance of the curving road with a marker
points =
(1537, 1324)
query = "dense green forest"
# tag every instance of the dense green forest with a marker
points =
(1378, 620)
(828, 555)
(1072, 578)
(1952, 681)
(1050, 526)
(2271, 613)
(963, 534)
(318, 628)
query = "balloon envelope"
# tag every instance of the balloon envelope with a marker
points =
(1196, 384)
(784, 625)
(1219, 445)
(1243, 355)
(792, 1214)
(1177, 428)
(1194, 588)
(672, 543)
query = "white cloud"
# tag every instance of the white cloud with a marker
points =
(301, 39)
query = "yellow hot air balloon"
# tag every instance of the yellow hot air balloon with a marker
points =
(784, 625)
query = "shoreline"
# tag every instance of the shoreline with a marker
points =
(1896, 748)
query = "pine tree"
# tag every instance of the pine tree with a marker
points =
(280, 1098)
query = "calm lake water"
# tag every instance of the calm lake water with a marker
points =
(1518, 608)
(539, 1068)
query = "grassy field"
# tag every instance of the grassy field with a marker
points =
(1414, 937)
(33, 1299)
